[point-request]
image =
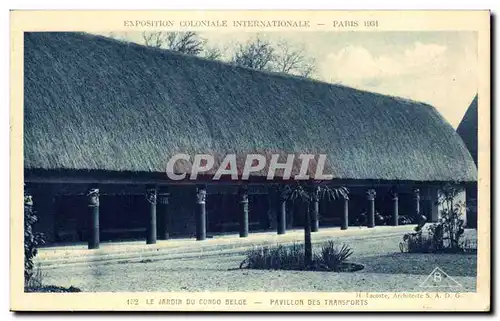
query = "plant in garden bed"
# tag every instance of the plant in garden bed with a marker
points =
(306, 193)
(444, 236)
(276, 258)
(331, 257)
(52, 289)
(33, 277)
(31, 240)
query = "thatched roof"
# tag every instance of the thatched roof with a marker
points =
(93, 103)
(467, 129)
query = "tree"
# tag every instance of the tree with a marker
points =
(256, 54)
(306, 192)
(293, 60)
(212, 53)
(189, 43)
(261, 54)
(154, 39)
(451, 224)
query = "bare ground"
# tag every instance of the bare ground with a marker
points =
(386, 269)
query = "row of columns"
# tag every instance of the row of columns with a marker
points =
(153, 196)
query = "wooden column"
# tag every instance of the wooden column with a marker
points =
(371, 207)
(315, 209)
(471, 203)
(416, 197)
(308, 255)
(281, 213)
(433, 200)
(395, 209)
(163, 208)
(421, 218)
(291, 213)
(345, 214)
(201, 216)
(151, 228)
(243, 210)
(93, 206)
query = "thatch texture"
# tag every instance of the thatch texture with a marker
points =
(93, 103)
(467, 129)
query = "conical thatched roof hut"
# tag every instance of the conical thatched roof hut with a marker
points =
(96, 105)
(467, 129)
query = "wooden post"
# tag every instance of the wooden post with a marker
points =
(416, 196)
(471, 203)
(281, 214)
(201, 217)
(421, 219)
(433, 204)
(345, 216)
(163, 202)
(243, 199)
(291, 213)
(315, 209)
(151, 229)
(307, 236)
(93, 205)
(371, 207)
(395, 209)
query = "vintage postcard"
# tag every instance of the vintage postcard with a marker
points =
(250, 160)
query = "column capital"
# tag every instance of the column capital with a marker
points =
(416, 194)
(316, 192)
(28, 198)
(93, 197)
(370, 194)
(394, 195)
(151, 195)
(281, 192)
(201, 194)
(243, 193)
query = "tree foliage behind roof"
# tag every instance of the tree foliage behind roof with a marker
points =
(93, 103)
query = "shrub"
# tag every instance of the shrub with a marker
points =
(450, 225)
(444, 236)
(36, 279)
(416, 243)
(331, 257)
(53, 289)
(31, 239)
(275, 258)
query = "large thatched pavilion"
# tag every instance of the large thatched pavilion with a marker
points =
(467, 129)
(103, 117)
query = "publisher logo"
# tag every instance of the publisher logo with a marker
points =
(439, 279)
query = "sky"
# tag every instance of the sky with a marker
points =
(439, 68)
